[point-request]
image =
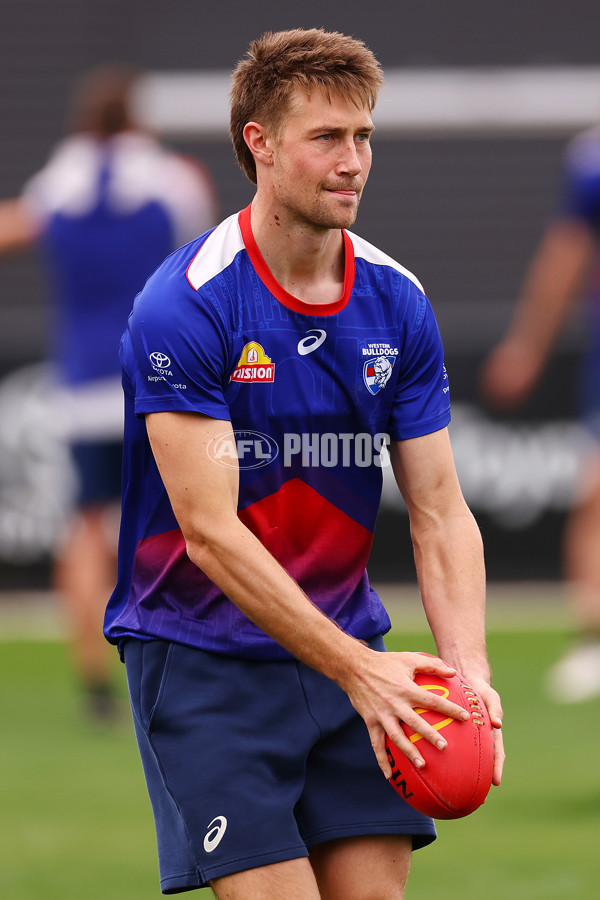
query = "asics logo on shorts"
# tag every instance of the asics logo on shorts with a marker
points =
(214, 835)
(312, 341)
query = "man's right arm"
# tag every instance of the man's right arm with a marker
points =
(18, 230)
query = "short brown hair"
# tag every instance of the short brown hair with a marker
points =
(279, 62)
(101, 100)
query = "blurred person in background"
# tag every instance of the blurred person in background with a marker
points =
(565, 268)
(105, 210)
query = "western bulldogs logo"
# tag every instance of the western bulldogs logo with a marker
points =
(377, 372)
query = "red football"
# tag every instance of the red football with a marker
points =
(454, 782)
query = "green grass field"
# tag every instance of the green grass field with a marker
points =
(75, 820)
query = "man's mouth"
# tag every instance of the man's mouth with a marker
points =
(346, 191)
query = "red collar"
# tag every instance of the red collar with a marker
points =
(265, 275)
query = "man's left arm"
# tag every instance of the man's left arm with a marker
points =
(450, 564)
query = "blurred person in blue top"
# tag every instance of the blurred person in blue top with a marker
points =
(110, 203)
(565, 270)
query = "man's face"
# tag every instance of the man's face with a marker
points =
(321, 159)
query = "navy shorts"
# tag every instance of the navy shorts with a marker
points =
(251, 763)
(98, 471)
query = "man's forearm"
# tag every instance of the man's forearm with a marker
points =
(451, 572)
(380, 685)
(551, 287)
(232, 557)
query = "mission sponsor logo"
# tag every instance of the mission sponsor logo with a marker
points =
(254, 365)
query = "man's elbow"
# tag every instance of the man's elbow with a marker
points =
(207, 541)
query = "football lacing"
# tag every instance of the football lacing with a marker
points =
(473, 700)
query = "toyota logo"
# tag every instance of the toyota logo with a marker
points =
(160, 360)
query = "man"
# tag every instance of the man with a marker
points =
(105, 210)
(251, 637)
(564, 267)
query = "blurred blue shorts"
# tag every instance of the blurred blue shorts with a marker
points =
(250, 763)
(98, 472)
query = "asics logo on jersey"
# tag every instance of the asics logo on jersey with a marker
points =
(314, 339)
(214, 835)
(160, 360)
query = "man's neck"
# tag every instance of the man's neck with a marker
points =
(307, 262)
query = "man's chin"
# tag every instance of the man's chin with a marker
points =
(344, 216)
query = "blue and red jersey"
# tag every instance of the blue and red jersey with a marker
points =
(313, 393)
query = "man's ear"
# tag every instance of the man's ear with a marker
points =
(258, 143)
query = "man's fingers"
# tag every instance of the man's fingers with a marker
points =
(492, 700)
(424, 700)
(408, 748)
(397, 736)
(421, 726)
(499, 757)
(377, 735)
(424, 662)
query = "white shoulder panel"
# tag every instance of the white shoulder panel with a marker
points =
(68, 182)
(216, 253)
(371, 254)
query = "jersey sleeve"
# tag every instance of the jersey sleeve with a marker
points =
(36, 196)
(422, 396)
(579, 193)
(175, 352)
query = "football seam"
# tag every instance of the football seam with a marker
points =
(470, 711)
(483, 713)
